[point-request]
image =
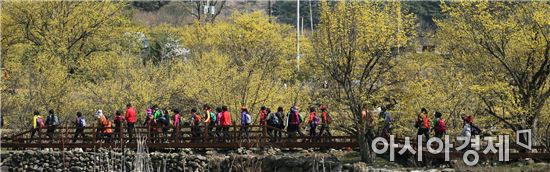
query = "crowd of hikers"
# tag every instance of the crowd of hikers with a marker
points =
(168, 123)
(439, 127)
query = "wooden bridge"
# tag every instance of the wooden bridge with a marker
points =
(180, 138)
(183, 138)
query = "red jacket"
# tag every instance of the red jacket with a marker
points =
(311, 116)
(131, 115)
(226, 118)
(263, 116)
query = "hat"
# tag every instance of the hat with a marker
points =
(98, 113)
(149, 111)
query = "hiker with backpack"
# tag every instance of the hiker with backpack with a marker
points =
(269, 121)
(275, 121)
(388, 121)
(326, 120)
(37, 125)
(131, 119)
(79, 123)
(423, 124)
(156, 124)
(151, 123)
(176, 125)
(104, 130)
(119, 120)
(313, 122)
(262, 116)
(439, 126)
(469, 130)
(195, 125)
(294, 122)
(475, 130)
(164, 121)
(278, 122)
(210, 119)
(225, 123)
(219, 123)
(246, 121)
(51, 123)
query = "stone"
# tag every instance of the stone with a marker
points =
(529, 161)
(448, 170)
(542, 164)
(202, 158)
(347, 166)
(211, 152)
(194, 164)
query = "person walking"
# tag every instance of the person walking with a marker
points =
(326, 120)
(245, 123)
(423, 124)
(176, 125)
(219, 128)
(439, 126)
(262, 116)
(131, 119)
(467, 130)
(388, 122)
(280, 123)
(165, 123)
(272, 123)
(294, 122)
(119, 120)
(52, 121)
(313, 122)
(37, 125)
(210, 121)
(104, 130)
(79, 123)
(225, 123)
(195, 125)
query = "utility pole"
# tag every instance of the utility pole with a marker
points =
(310, 16)
(269, 10)
(298, 34)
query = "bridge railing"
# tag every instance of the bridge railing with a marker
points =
(184, 135)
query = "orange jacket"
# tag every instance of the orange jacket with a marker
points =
(108, 128)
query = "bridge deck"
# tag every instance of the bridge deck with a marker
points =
(176, 138)
(183, 138)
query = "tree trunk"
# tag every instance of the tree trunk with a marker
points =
(364, 136)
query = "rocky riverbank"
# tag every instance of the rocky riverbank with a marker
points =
(184, 160)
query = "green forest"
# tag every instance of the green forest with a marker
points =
(490, 60)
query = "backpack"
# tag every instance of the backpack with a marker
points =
(294, 118)
(80, 122)
(315, 122)
(55, 120)
(118, 120)
(441, 127)
(167, 120)
(248, 118)
(212, 117)
(40, 123)
(196, 119)
(273, 120)
(475, 130)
